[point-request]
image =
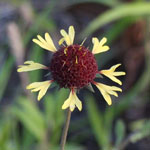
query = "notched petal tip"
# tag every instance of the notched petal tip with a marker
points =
(46, 43)
(72, 102)
(72, 108)
(67, 37)
(98, 46)
(103, 40)
(30, 66)
(112, 74)
(42, 87)
(106, 91)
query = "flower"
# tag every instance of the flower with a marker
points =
(73, 66)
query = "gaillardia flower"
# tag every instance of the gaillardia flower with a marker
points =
(73, 66)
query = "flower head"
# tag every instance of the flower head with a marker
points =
(73, 66)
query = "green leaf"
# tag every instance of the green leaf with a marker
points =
(109, 117)
(104, 2)
(70, 147)
(124, 10)
(5, 129)
(97, 122)
(144, 132)
(119, 131)
(117, 28)
(5, 74)
(137, 124)
(32, 109)
(30, 116)
(49, 105)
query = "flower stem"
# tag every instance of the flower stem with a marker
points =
(65, 131)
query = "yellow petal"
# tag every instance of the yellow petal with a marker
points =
(98, 46)
(106, 96)
(30, 66)
(43, 91)
(103, 41)
(40, 44)
(104, 49)
(113, 68)
(72, 102)
(61, 41)
(50, 41)
(42, 87)
(119, 73)
(67, 37)
(71, 33)
(66, 104)
(67, 40)
(95, 44)
(113, 78)
(110, 73)
(28, 62)
(78, 103)
(107, 91)
(42, 40)
(46, 43)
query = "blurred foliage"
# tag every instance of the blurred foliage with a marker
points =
(27, 124)
(5, 74)
(121, 11)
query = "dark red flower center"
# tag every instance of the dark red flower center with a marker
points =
(73, 66)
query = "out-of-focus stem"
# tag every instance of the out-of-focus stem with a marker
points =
(18, 51)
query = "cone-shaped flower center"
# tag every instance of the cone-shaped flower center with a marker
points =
(73, 66)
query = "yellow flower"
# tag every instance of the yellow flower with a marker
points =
(73, 66)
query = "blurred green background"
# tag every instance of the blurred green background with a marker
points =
(26, 124)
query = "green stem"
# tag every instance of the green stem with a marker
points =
(65, 131)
